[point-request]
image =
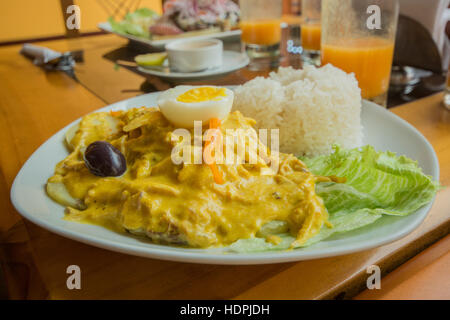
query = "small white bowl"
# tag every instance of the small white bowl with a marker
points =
(194, 55)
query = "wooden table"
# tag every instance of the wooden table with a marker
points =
(35, 104)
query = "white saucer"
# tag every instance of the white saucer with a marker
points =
(232, 61)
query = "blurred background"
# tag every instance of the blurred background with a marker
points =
(23, 20)
(419, 67)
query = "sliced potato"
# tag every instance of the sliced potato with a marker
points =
(70, 134)
(273, 228)
(95, 126)
(58, 192)
(113, 124)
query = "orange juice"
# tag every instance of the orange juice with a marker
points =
(261, 32)
(291, 19)
(311, 36)
(369, 58)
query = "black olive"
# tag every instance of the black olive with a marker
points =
(104, 160)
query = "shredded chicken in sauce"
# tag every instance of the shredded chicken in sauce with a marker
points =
(182, 204)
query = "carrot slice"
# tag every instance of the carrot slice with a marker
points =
(216, 174)
(214, 123)
(115, 113)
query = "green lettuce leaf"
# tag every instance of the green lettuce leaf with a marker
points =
(378, 183)
(136, 23)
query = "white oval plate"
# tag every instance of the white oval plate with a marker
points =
(382, 129)
(224, 35)
(232, 61)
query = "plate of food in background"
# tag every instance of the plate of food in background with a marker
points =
(181, 19)
(187, 60)
(201, 64)
(349, 175)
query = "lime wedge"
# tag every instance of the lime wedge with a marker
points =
(151, 59)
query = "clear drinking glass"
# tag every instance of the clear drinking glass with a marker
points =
(358, 36)
(447, 91)
(311, 31)
(261, 27)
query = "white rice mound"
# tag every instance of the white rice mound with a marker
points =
(314, 108)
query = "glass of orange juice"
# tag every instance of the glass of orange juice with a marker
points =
(311, 31)
(358, 36)
(261, 27)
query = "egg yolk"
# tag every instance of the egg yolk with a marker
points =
(202, 94)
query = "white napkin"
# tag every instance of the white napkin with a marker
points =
(40, 54)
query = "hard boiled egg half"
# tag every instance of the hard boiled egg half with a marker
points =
(183, 105)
